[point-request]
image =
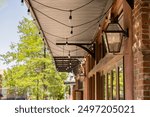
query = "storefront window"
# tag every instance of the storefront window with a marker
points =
(114, 83)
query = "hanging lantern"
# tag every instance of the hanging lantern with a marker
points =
(114, 34)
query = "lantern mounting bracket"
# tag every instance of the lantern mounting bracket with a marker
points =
(114, 20)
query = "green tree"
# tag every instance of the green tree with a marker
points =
(33, 70)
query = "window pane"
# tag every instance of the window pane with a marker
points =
(114, 78)
(121, 83)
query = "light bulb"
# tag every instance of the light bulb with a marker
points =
(71, 30)
(22, 1)
(66, 41)
(28, 11)
(70, 16)
(99, 27)
(69, 55)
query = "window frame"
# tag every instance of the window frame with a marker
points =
(110, 96)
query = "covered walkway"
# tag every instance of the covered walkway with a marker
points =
(105, 43)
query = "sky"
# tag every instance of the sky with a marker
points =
(11, 12)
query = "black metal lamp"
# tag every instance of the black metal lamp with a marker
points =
(113, 36)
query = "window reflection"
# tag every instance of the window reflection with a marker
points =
(121, 83)
(114, 78)
(114, 84)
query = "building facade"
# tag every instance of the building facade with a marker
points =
(115, 65)
(124, 75)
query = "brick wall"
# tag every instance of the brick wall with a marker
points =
(141, 49)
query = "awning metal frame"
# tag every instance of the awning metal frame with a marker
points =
(83, 46)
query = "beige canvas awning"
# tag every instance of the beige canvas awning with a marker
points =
(52, 19)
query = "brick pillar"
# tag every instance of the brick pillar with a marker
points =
(141, 49)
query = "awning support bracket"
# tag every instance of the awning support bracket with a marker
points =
(83, 46)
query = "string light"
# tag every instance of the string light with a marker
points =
(90, 27)
(28, 11)
(70, 17)
(99, 27)
(100, 17)
(70, 63)
(22, 1)
(66, 41)
(71, 32)
(34, 20)
(65, 10)
(69, 54)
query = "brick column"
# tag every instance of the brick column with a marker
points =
(141, 49)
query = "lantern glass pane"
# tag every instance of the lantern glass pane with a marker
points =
(114, 42)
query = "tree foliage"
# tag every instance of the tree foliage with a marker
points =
(33, 70)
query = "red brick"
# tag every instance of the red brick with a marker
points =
(145, 47)
(145, 4)
(146, 57)
(146, 93)
(145, 16)
(146, 98)
(141, 59)
(146, 64)
(146, 82)
(145, 0)
(146, 87)
(145, 36)
(145, 31)
(139, 83)
(145, 26)
(145, 41)
(145, 19)
(145, 9)
(145, 70)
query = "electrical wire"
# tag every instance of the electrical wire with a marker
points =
(78, 33)
(71, 26)
(73, 35)
(66, 10)
(74, 26)
(51, 18)
(71, 51)
(100, 17)
(53, 35)
(83, 30)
